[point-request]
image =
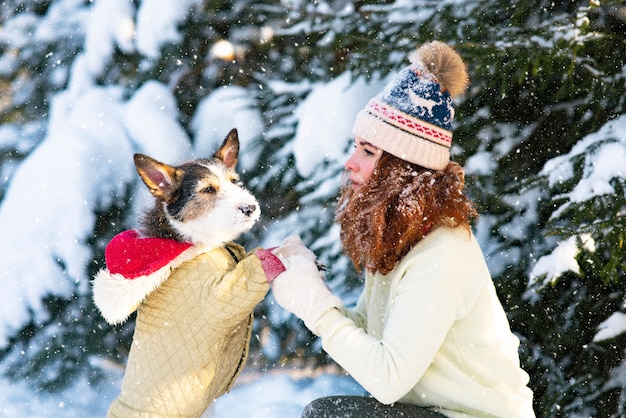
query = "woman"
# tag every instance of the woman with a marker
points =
(428, 336)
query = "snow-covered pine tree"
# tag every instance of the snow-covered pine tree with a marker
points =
(560, 78)
(576, 291)
(544, 76)
(87, 84)
(36, 55)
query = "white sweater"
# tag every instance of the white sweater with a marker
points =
(432, 332)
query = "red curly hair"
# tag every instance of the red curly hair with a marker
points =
(381, 221)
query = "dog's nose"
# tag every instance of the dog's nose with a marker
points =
(247, 209)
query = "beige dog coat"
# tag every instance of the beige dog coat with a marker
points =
(192, 331)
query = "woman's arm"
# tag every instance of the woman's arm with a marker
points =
(358, 313)
(390, 366)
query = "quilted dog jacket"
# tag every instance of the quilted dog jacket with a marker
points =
(192, 331)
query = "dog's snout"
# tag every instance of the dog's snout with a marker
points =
(247, 209)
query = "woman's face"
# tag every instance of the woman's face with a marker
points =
(362, 162)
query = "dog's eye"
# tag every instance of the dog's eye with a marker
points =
(234, 181)
(209, 190)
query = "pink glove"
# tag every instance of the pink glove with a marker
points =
(272, 266)
(300, 289)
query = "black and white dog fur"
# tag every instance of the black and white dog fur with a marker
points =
(201, 201)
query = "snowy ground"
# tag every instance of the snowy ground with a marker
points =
(275, 394)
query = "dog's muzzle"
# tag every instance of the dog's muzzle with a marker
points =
(247, 210)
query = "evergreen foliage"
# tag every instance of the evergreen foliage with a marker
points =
(545, 104)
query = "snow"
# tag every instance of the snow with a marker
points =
(38, 242)
(112, 26)
(151, 119)
(480, 163)
(326, 124)
(604, 154)
(611, 327)
(85, 160)
(157, 22)
(561, 259)
(274, 394)
(279, 395)
(210, 125)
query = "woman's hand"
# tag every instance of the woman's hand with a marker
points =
(300, 289)
(293, 246)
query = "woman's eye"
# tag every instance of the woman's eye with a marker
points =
(369, 153)
(209, 190)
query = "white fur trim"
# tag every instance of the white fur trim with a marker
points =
(117, 297)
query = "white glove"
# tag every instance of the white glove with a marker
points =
(300, 289)
(291, 246)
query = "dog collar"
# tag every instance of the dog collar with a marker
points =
(133, 255)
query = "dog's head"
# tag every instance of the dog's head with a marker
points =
(200, 201)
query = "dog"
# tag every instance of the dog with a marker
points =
(193, 289)
(196, 200)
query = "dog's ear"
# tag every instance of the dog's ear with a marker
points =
(229, 151)
(161, 179)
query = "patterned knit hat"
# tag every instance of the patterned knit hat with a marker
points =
(412, 117)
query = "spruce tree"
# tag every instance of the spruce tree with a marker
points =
(545, 76)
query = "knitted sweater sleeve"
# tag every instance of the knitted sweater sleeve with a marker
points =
(357, 313)
(417, 322)
(389, 367)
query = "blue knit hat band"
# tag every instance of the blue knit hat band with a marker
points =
(433, 154)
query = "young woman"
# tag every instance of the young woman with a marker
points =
(428, 336)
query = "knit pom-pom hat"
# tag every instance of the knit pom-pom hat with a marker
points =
(412, 117)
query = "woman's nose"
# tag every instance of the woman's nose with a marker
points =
(351, 163)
